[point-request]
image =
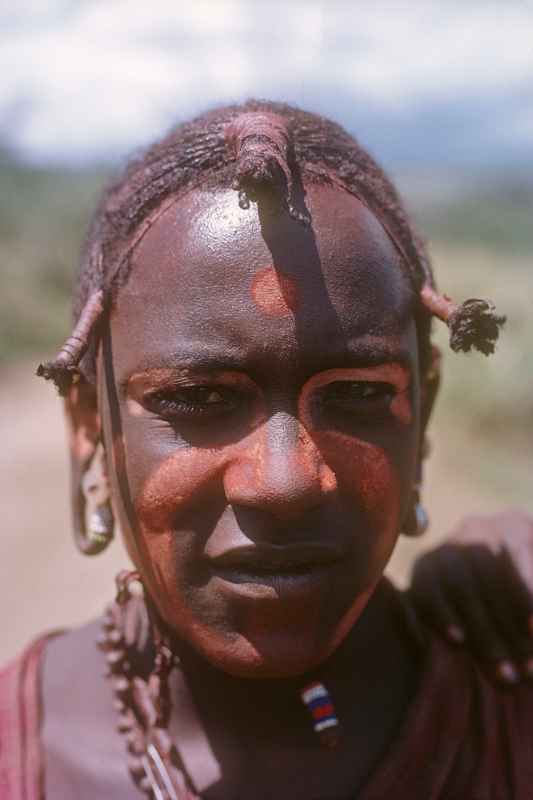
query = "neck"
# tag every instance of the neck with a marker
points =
(375, 666)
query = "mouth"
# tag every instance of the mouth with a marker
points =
(264, 563)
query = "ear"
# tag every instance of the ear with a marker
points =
(429, 388)
(416, 520)
(83, 425)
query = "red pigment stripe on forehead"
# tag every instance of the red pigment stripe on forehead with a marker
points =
(274, 293)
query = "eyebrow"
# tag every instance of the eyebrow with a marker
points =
(372, 351)
(200, 359)
(368, 352)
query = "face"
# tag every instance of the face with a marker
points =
(260, 403)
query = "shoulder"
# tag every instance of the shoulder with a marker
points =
(52, 701)
(463, 736)
(71, 685)
(79, 721)
(496, 731)
(472, 736)
(20, 705)
(454, 688)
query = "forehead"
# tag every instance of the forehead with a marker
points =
(210, 272)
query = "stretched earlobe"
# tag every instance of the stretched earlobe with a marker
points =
(92, 515)
(416, 521)
(97, 523)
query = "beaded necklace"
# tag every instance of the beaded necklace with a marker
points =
(143, 705)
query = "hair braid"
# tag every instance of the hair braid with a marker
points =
(261, 143)
(256, 148)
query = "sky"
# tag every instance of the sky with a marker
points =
(420, 82)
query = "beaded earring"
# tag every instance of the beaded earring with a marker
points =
(143, 705)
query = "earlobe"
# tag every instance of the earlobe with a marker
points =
(416, 521)
(92, 516)
(83, 422)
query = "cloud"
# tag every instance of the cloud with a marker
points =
(92, 80)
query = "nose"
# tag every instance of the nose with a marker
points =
(279, 470)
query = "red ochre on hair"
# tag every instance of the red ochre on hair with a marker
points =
(272, 146)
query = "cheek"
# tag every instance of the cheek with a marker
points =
(366, 476)
(185, 476)
(373, 470)
(176, 484)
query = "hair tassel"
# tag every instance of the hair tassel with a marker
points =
(473, 324)
(64, 368)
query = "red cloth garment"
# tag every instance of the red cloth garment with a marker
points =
(462, 738)
(20, 714)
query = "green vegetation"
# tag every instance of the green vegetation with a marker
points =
(495, 214)
(43, 217)
(481, 242)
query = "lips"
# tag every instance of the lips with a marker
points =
(264, 560)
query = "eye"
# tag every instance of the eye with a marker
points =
(194, 402)
(358, 397)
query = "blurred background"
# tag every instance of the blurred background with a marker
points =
(440, 92)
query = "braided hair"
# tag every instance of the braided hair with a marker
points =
(257, 148)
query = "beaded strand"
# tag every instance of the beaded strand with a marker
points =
(143, 706)
(318, 701)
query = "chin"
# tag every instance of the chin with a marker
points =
(281, 651)
(274, 656)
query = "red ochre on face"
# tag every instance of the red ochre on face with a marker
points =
(302, 477)
(274, 293)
